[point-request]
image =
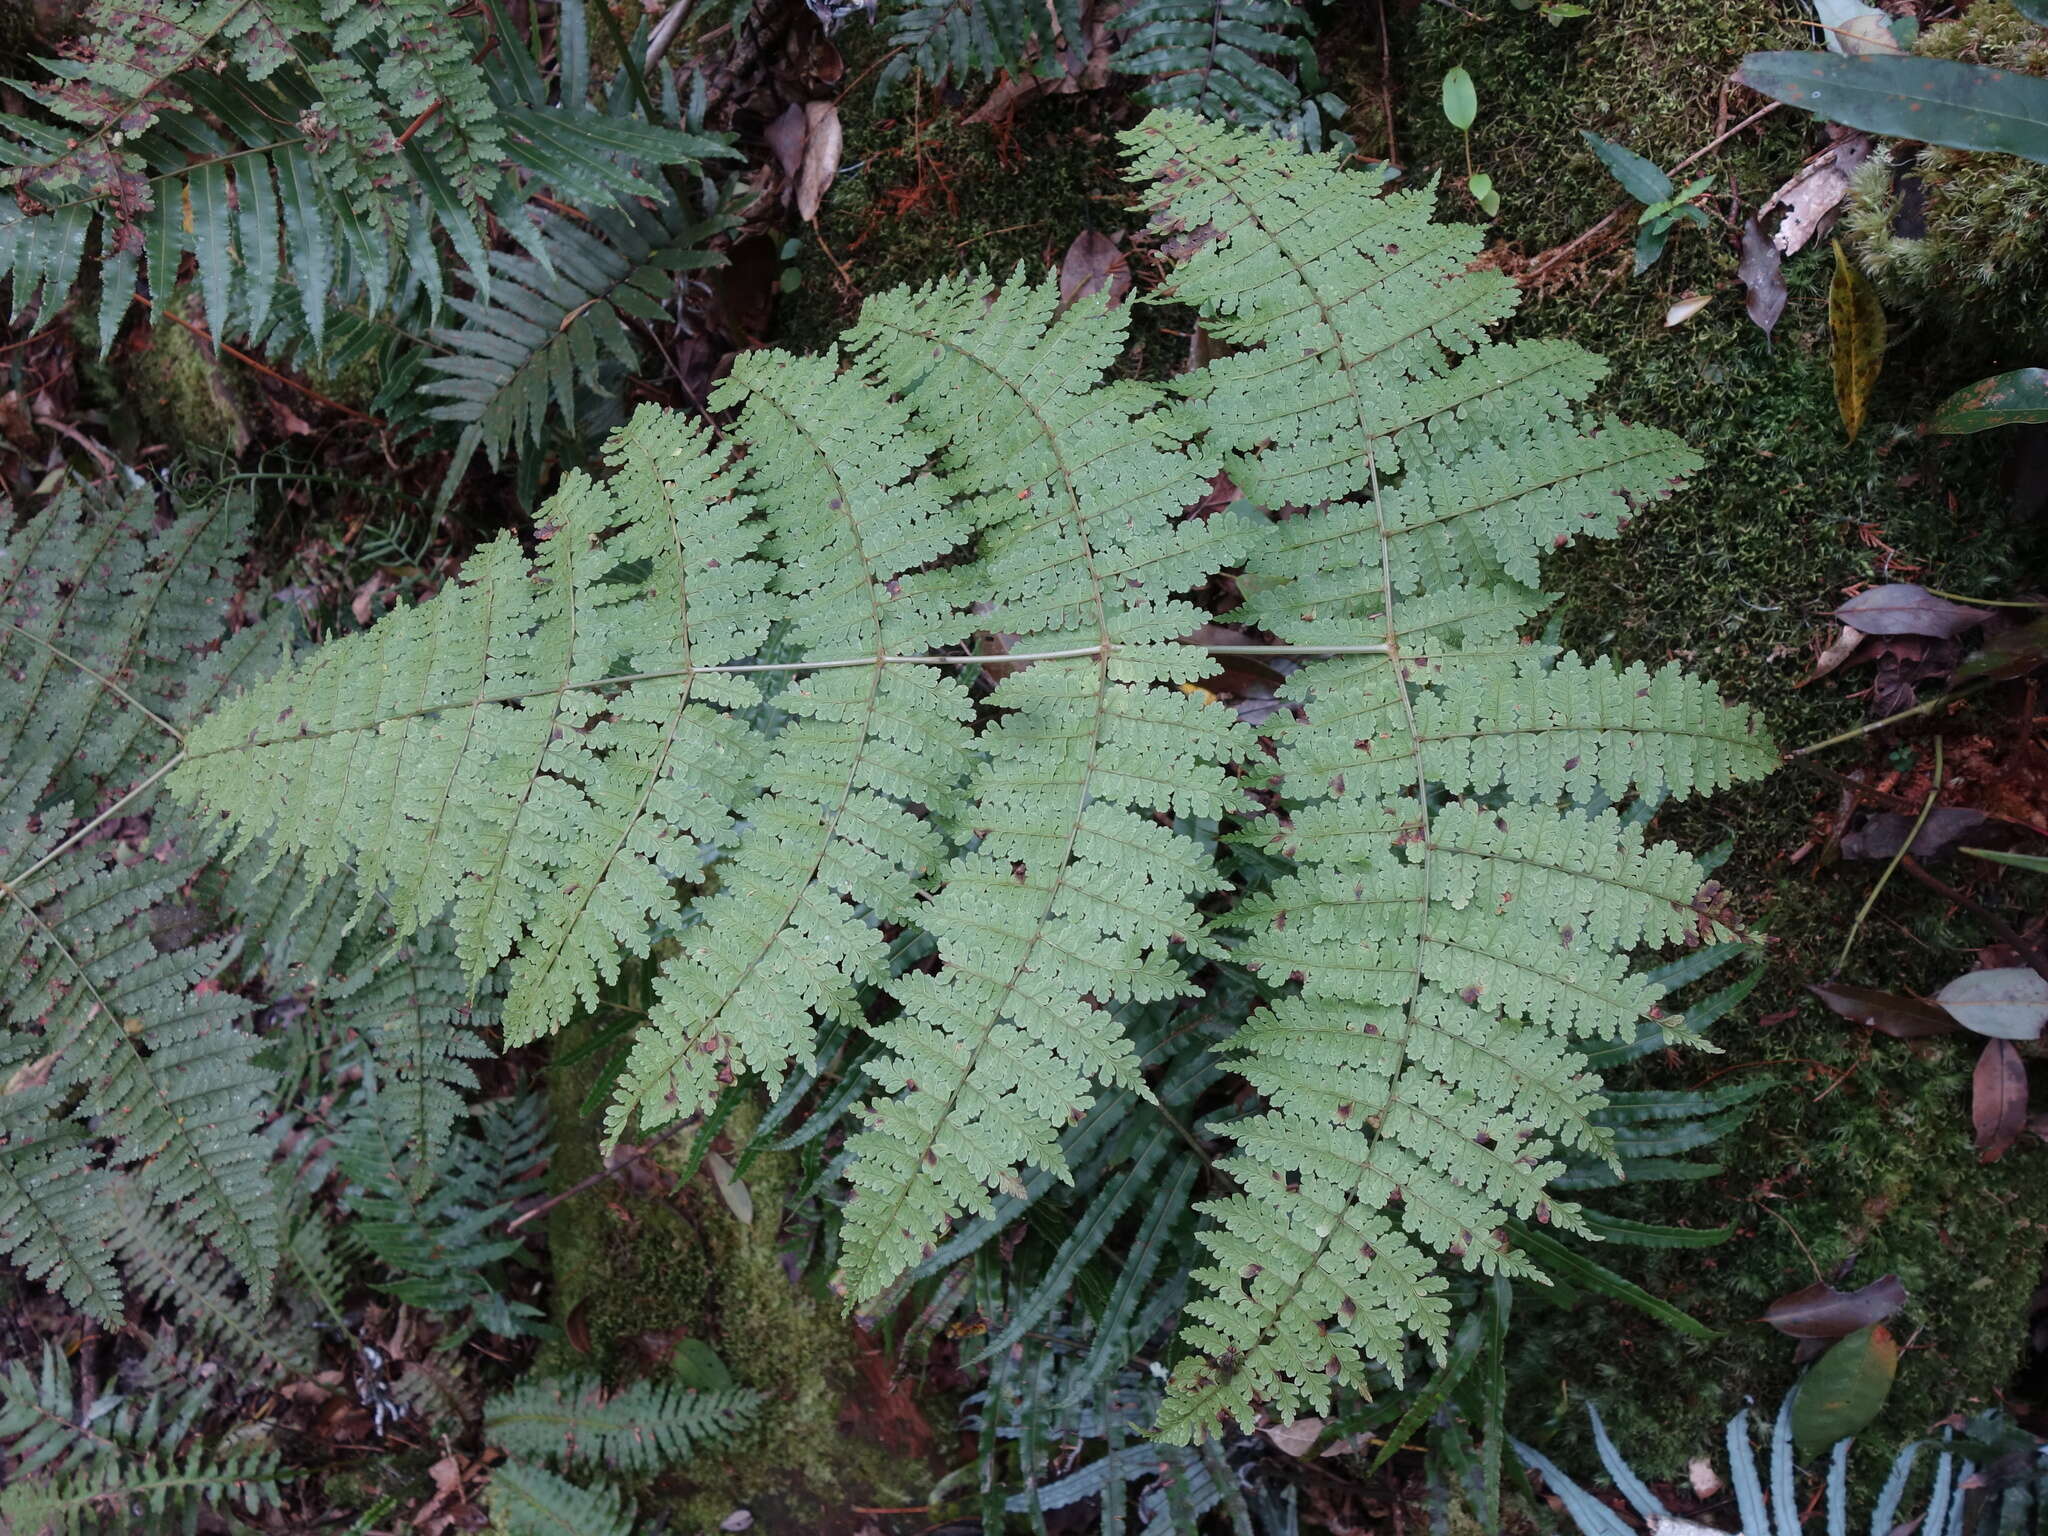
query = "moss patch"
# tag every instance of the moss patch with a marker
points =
(637, 1269)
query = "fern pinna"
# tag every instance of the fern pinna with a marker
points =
(720, 719)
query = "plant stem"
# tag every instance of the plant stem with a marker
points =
(1933, 793)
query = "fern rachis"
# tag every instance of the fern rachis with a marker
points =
(713, 721)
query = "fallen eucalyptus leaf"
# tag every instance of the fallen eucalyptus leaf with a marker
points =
(1856, 324)
(1889, 1013)
(1901, 608)
(2007, 1003)
(1854, 29)
(1822, 1312)
(1092, 264)
(1998, 1099)
(823, 142)
(738, 1199)
(1686, 308)
(1845, 1390)
(1295, 1439)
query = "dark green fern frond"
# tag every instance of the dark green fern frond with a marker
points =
(169, 1269)
(527, 1500)
(86, 1466)
(1226, 59)
(438, 1224)
(643, 1427)
(143, 1040)
(546, 333)
(112, 633)
(419, 1015)
(329, 151)
(952, 40)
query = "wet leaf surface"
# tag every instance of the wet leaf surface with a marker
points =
(1856, 324)
(1901, 608)
(1889, 1013)
(1822, 1312)
(2009, 399)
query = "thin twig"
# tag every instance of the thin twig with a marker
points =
(263, 368)
(1810, 1264)
(597, 1178)
(1870, 728)
(1869, 901)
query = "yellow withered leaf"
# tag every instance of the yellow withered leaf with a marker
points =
(1856, 322)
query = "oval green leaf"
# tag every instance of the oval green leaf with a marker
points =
(2009, 1002)
(1461, 101)
(1845, 1390)
(1933, 101)
(2006, 400)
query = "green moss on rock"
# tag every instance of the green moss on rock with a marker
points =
(636, 1271)
(1964, 235)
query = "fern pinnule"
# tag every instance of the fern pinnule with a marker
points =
(643, 1427)
(527, 1500)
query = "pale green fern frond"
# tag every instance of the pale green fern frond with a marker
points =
(86, 1465)
(836, 843)
(475, 755)
(1459, 923)
(723, 719)
(553, 323)
(527, 1500)
(1222, 58)
(642, 1427)
(1074, 892)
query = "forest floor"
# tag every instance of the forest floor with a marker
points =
(1856, 1158)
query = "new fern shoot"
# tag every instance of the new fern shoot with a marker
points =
(729, 717)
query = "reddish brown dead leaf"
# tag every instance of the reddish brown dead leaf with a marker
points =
(1822, 1312)
(1889, 1013)
(1093, 264)
(1998, 1099)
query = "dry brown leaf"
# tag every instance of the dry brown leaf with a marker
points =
(822, 144)
(786, 137)
(1092, 264)
(1814, 192)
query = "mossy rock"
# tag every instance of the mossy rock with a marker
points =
(644, 1282)
(1962, 235)
(177, 390)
